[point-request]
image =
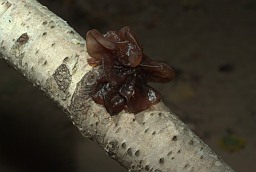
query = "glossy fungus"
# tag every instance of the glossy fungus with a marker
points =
(124, 71)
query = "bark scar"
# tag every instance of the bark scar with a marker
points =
(62, 77)
(23, 39)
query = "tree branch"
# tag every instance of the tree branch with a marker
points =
(52, 56)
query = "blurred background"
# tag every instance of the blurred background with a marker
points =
(210, 44)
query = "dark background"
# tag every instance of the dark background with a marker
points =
(211, 45)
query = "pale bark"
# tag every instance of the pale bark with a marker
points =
(53, 57)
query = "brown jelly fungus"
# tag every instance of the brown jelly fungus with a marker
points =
(124, 71)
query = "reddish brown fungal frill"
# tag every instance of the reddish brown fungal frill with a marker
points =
(124, 71)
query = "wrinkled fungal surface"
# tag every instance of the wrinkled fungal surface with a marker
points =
(124, 71)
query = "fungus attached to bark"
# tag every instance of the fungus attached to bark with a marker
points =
(124, 71)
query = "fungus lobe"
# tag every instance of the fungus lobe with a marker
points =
(124, 71)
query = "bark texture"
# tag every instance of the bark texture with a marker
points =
(52, 56)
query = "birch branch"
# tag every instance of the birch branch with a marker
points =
(53, 57)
